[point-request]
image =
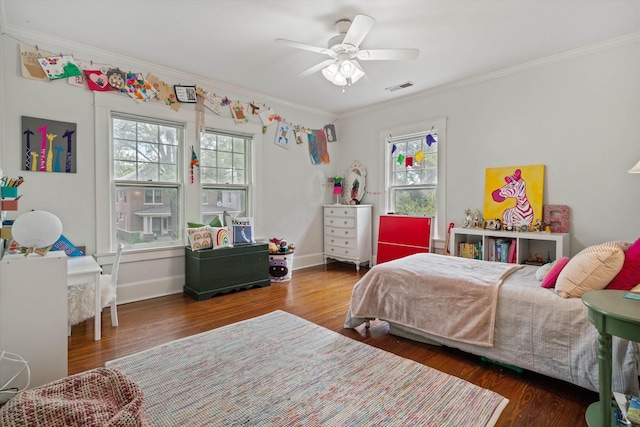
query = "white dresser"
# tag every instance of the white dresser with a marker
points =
(347, 234)
(33, 314)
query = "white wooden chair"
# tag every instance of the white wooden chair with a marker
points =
(81, 297)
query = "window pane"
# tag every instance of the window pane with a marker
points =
(413, 162)
(208, 158)
(168, 135)
(418, 201)
(217, 200)
(147, 152)
(147, 132)
(124, 150)
(143, 221)
(168, 173)
(124, 170)
(147, 172)
(208, 175)
(125, 129)
(238, 145)
(225, 143)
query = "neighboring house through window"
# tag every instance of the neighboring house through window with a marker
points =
(147, 178)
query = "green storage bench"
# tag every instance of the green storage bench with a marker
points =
(210, 272)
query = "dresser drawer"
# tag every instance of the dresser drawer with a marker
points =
(339, 241)
(337, 251)
(340, 232)
(341, 212)
(330, 221)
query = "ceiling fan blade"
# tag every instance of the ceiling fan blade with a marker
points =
(299, 45)
(387, 54)
(315, 68)
(360, 27)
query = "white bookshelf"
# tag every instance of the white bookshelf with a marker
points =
(553, 245)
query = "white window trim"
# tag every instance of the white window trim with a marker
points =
(441, 125)
(104, 104)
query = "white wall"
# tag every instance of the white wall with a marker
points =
(288, 205)
(580, 117)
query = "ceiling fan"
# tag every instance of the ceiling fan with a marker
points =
(342, 68)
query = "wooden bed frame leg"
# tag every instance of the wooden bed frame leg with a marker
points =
(367, 324)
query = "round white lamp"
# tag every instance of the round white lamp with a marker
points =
(36, 229)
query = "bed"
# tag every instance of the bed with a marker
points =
(495, 310)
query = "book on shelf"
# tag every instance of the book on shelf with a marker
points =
(470, 250)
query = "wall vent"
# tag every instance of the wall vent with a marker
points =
(400, 86)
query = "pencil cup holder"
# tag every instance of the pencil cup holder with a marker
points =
(9, 192)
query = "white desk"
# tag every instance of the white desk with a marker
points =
(85, 269)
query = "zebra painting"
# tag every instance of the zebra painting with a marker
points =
(515, 188)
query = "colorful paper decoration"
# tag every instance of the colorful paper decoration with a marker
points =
(393, 148)
(283, 135)
(419, 156)
(138, 88)
(31, 68)
(301, 136)
(213, 103)
(97, 80)
(238, 112)
(166, 93)
(116, 79)
(318, 147)
(79, 80)
(408, 161)
(59, 67)
(267, 117)
(254, 108)
(431, 140)
(400, 159)
(330, 133)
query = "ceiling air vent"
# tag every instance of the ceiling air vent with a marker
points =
(400, 86)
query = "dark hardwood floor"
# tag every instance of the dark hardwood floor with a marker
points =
(321, 295)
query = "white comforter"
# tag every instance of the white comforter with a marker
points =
(537, 330)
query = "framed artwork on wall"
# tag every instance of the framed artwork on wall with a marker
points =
(514, 195)
(48, 145)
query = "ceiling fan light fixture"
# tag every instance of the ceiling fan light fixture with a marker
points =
(347, 68)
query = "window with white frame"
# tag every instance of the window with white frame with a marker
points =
(225, 173)
(414, 170)
(145, 169)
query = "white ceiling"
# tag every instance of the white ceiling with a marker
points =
(231, 41)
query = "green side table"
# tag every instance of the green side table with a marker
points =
(611, 314)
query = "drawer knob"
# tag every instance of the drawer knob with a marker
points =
(345, 223)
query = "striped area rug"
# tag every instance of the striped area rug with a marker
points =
(281, 370)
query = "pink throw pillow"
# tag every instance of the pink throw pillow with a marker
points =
(629, 275)
(549, 280)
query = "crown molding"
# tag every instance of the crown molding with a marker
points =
(54, 44)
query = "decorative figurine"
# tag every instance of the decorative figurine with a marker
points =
(498, 224)
(467, 218)
(477, 220)
(537, 226)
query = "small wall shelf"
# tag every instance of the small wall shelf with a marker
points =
(528, 244)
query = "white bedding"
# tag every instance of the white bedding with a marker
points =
(537, 330)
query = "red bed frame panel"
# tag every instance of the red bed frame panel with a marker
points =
(402, 235)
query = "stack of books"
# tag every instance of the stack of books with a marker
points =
(628, 410)
(501, 250)
(470, 250)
